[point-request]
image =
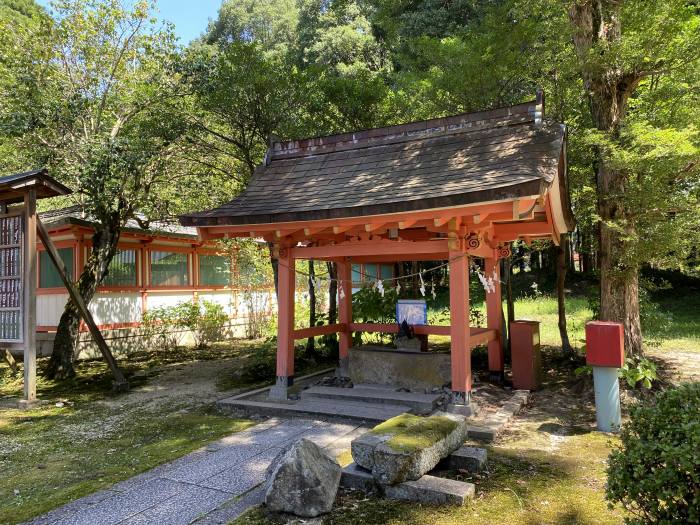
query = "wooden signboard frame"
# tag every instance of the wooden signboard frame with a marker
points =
(22, 190)
(27, 277)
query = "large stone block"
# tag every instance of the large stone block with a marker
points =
(432, 490)
(407, 446)
(355, 477)
(471, 459)
(412, 370)
(303, 481)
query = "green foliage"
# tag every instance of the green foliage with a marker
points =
(638, 370)
(655, 474)
(163, 326)
(370, 306)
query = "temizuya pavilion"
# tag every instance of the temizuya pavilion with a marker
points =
(444, 189)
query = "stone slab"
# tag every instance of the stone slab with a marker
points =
(231, 509)
(420, 402)
(329, 409)
(357, 478)
(126, 504)
(432, 490)
(390, 465)
(181, 509)
(471, 459)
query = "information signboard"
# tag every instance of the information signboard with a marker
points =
(11, 238)
(413, 311)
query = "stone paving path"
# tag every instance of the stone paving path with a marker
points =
(213, 485)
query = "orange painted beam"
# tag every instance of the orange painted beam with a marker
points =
(346, 222)
(313, 331)
(344, 307)
(436, 249)
(459, 323)
(478, 336)
(512, 230)
(285, 314)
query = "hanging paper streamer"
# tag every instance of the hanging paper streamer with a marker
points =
(398, 287)
(422, 284)
(380, 287)
(432, 290)
(342, 290)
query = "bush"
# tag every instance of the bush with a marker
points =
(164, 326)
(655, 474)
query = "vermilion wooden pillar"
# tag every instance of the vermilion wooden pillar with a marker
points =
(344, 315)
(459, 326)
(285, 323)
(494, 314)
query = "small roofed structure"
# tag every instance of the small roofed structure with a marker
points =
(18, 233)
(450, 189)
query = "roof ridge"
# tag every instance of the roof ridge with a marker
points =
(518, 114)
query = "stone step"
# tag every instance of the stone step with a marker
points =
(421, 403)
(432, 490)
(325, 408)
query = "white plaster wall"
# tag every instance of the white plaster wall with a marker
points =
(223, 297)
(49, 308)
(113, 308)
(158, 299)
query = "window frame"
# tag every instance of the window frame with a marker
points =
(199, 282)
(60, 245)
(170, 249)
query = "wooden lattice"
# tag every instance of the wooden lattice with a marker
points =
(11, 237)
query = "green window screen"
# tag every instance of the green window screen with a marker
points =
(387, 271)
(169, 269)
(370, 272)
(122, 269)
(48, 274)
(214, 270)
(356, 274)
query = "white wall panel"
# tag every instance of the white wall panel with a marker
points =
(224, 298)
(49, 308)
(158, 299)
(113, 308)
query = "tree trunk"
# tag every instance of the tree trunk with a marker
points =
(104, 246)
(562, 266)
(310, 348)
(619, 283)
(597, 27)
(275, 269)
(331, 340)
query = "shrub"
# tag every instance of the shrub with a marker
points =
(655, 474)
(163, 327)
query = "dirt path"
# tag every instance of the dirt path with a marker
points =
(678, 366)
(185, 385)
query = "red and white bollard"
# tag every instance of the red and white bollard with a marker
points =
(605, 353)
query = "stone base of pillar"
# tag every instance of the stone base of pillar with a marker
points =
(343, 369)
(279, 391)
(463, 404)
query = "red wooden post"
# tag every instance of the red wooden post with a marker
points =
(285, 324)
(459, 326)
(494, 315)
(344, 315)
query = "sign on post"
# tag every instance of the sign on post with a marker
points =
(11, 272)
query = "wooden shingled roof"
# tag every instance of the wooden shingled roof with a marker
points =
(487, 156)
(13, 187)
